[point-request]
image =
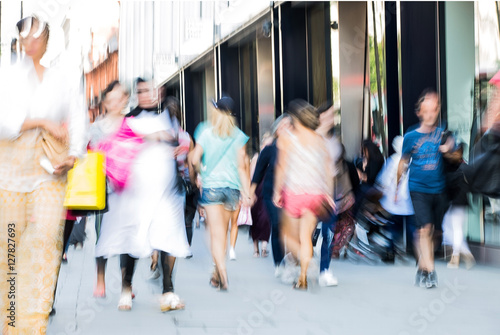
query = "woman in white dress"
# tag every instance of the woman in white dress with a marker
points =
(148, 214)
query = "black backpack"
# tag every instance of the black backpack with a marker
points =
(482, 175)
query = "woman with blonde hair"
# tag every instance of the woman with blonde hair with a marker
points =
(220, 158)
(303, 183)
(40, 103)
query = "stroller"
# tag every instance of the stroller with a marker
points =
(373, 239)
(372, 242)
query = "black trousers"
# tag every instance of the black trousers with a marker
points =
(190, 212)
(127, 264)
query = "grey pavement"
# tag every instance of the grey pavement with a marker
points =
(368, 299)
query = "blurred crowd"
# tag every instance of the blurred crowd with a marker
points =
(297, 190)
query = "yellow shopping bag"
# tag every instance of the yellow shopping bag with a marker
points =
(87, 184)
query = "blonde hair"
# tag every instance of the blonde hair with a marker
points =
(223, 123)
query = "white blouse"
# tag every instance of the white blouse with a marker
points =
(58, 97)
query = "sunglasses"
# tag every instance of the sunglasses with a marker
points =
(24, 27)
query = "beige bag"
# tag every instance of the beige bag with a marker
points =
(55, 150)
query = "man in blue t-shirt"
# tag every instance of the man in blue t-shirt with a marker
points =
(423, 155)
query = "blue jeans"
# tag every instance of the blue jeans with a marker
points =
(327, 231)
(228, 197)
(276, 245)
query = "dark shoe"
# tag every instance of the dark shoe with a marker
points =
(432, 280)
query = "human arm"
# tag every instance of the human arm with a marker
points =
(402, 169)
(282, 144)
(192, 172)
(450, 152)
(194, 158)
(261, 167)
(244, 173)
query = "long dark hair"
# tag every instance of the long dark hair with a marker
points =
(375, 160)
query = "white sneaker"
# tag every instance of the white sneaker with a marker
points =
(278, 271)
(232, 254)
(327, 279)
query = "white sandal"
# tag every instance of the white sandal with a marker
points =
(125, 303)
(170, 302)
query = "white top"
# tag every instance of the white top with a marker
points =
(305, 172)
(58, 97)
(335, 151)
(386, 182)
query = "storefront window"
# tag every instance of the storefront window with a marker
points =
(376, 44)
(487, 47)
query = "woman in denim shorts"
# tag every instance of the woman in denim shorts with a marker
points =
(220, 159)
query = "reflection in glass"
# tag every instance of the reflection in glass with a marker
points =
(487, 27)
(334, 21)
(376, 36)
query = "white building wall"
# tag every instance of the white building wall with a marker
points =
(157, 38)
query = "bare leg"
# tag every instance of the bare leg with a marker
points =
(256, 248)
(264, 246)
(234, 227)
(291, 233)
(100, 289)
(306, 227)
(218, 221)
(154, 260)
(426, 261)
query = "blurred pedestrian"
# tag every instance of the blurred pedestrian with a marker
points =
(148, 214)
(400, 207)
(265, 173)
(346, 186)
(40, 102)
(220, 158)
(423, 156)
(186, 174)
(303, 183)
(326, 129)
(454, 219)
(115, 100)
(260, 230)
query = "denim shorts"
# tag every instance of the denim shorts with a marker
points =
(226, 196)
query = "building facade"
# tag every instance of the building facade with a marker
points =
(371, 59)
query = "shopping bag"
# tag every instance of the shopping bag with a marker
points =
(86, 188)
(245, 216)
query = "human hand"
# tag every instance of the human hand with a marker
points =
(448, 146)
(65, 166)
(253, 199)
(277, 199)
(247, 201)
(57, 130)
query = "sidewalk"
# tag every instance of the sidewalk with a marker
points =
(368, 300)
